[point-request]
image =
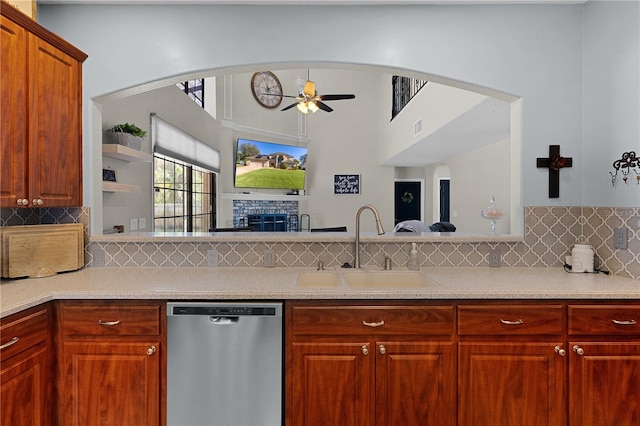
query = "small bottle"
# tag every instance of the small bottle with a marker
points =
(413, 258)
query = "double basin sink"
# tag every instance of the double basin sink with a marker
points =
(364, 278)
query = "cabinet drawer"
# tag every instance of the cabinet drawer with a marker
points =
(369, 320)
(110, 320)
(510, 320)
(23, 331)
(604, 319)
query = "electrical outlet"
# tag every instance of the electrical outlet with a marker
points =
(142, 223)
(133, 225)
(269, 259)
(495, 258)
(620, 238)
(212, 258)
(97, 256)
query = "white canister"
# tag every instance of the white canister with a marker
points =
(582, 258)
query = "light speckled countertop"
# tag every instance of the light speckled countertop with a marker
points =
(280, 283)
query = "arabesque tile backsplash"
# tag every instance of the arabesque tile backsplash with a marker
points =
(550, 232)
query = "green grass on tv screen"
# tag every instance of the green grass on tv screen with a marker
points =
(272, 178)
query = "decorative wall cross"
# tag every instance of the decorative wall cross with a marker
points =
(554, 163)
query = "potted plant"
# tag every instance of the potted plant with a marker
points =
(126, 134)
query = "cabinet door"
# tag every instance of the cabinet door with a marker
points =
(55, 148)
(23, 389)
(331, 384)
(13, 104)
(111, 383)
(605, 384)
(415, 384)
(511, 384)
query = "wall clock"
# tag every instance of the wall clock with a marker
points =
(264, 85)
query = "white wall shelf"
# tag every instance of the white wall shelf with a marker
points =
(119, 187)
(125, 153)
(263, 197)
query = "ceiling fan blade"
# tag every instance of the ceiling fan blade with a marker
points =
(289, 107)
(335, 97)
(280, 96)
(323, 106)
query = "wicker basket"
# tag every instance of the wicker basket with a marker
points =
(125, 139)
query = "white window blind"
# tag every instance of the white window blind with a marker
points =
(173, 142)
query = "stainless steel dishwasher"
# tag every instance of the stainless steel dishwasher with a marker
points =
(224, 364)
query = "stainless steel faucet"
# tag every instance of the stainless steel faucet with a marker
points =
(356, 261)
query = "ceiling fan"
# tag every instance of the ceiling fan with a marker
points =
(309, 100)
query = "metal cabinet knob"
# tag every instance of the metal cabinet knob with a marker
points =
(577, 349)
(37, 201)
(151, 350)
(382, 350)
(560, 350)
(22, 202)
(364, 349)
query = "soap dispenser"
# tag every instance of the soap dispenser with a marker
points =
(413, 258)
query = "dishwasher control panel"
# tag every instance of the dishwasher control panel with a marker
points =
(223, 310)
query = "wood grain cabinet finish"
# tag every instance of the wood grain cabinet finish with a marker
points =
(512, 365)
(112, 362)
(604, 364)
(344, 366)
(26, 369)
(41, 95)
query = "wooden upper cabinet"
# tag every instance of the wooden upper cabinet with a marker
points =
(13, 83)
(41, 85)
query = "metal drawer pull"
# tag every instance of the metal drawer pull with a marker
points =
(516, 322)
(624, 322)
(373, 324)
(11, 342)
(116, 322)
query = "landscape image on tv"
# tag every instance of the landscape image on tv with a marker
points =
(269, 165)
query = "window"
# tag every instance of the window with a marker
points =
(194, 89)
(183, 196)
(183, 180)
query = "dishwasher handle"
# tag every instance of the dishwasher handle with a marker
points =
(223, 320)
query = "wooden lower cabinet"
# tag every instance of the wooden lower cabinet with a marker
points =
(112, 363)
(512, 365)
(604, 365)
(351, 365)
(605, 384)
(511, 384)
(415, 383)
(112, 383)
(25, 369)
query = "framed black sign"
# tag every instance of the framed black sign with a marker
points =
(346, 184)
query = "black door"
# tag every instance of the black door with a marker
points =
(407, 201)
(444, 200)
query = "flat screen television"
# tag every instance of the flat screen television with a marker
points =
(269, 165)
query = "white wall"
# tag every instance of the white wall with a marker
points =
(611, 106)
(533, 52)
(468, 198)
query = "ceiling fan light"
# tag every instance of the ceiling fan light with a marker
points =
(302, 107)
(313, 107)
